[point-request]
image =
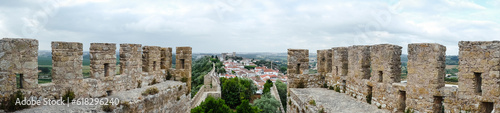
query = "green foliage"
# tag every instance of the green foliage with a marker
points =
(250, 67)
(200, 68)
(234, 90)
(325, 85)
(107, 108)
(245, 107)
(125, 104)
(267, 104)
(283, 69)
(312, 102)
(153, 82)
(451, 71)
(409, 110)
(322, 110)
(184, 79)
(212, 105)
(150, 91)
(453, 79)
(139, 82)
(168, 76)
(9, 104)
(451, 60)
(282, 91)
(68, 96)
(337, 89)
(267, 86)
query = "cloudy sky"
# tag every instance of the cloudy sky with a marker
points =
(252, 26)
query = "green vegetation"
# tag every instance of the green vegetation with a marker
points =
(453, 79)
(250, 67)
(267, 103)
(212, 105)
(281, 87)
(200, 68)
(150, 91)
(245, 107)
(267, 86)
(68, 96)
(369, 98)
(9, 104)
(107, 108)
(312, 102)
(235, 90)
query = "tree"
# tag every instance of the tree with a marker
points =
(267, 86)
(245, 107)
(249, 67)
(231, 92)
(267, 104)
(212, 105)
(281, 87)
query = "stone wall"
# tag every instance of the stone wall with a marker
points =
(19, 56)
(298, 67)
(372, 73)
(166, 58)
(183, 65)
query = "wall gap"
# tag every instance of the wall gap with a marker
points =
(380, 76)
(182, 63)
(478, 82)
(106, 69)
(297, 69)
(154, 65)
(344, 85)
(402, 101)
(19, 80)
(438, 104)
(109, 92)
(486, 107)
(369, 95)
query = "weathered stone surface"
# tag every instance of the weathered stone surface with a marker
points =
(328, 100)
(166, 58)
(426, 63)
(298, 65)
(18, 56)
(131, 64)
(183, 64)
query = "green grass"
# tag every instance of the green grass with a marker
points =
(43, 81)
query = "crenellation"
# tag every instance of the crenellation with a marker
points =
(19, 57)
(298, 65)
(183, 65)
(166, 58)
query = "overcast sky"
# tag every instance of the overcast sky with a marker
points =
(252, 25)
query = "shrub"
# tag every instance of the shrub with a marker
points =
(168, 75)
(68, 96)
(409, 110)
(324, 85)
(330, 88)
(184, 79)
(139, 84)
(150, 91)
(322, 110)
(312, 102)
(125, 104)
(154, 82)
(337, 89)
(9, 104)
(107, 108)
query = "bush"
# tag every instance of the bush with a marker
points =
(454, 79)
(107, 108)
(168, 75)
(337, 89)
(154, 82)
(330, 88)
(125, 104)
(9, 104)
(68, 96)
(139, 84)
(324, 85)
(150, 91)
(184, 79)
(312, 102)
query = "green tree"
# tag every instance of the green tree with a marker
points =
(267, 104)
(281, 87)
(231, 92)
(245, 107)
(200, 68)
(212, 105)
(249, 67)
(267, 86)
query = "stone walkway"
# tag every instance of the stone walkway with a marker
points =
(334, 102)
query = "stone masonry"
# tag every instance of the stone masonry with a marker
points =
(372, 73)
(18, 57)
(298, 65)
(183, 65)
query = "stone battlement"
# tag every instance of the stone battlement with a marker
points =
(372, 74)
(138, 67)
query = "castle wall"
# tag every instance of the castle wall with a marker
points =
(298, 65)
(426, 64)
(131, 63)
(18, 57)
(359, 71)
(339, 67)
(67, 60)
(183, 65)
(385, 70)
(479, 75)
